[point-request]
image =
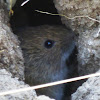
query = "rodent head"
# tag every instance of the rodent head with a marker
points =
(46, 48)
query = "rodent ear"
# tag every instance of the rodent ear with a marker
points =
(49, 44)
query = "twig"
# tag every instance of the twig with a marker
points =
(24, 2)
(49, 84)
(67, 16)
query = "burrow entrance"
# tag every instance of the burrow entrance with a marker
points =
(27, 16)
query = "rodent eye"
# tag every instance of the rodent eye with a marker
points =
(49, 44)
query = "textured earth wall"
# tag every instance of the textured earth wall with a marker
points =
(11, 62)
(83, 17)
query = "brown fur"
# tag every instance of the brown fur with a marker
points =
(44, 65)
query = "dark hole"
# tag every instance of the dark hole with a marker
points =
(27, 16)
